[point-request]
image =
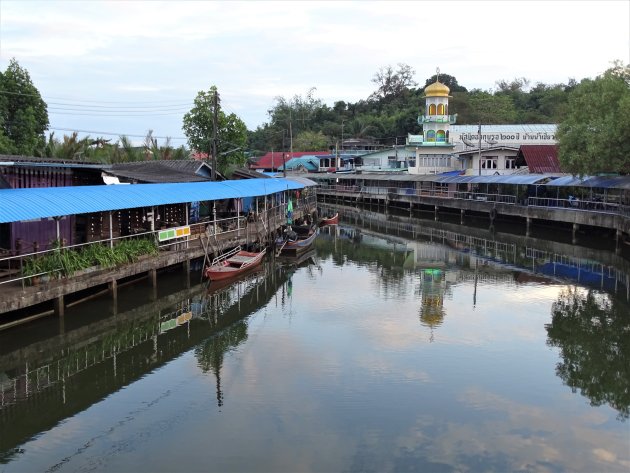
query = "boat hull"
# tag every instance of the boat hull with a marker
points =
(238, 264)
(330, 221)
(298, 246)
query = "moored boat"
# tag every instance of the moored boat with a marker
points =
(334, 220)
(233, 263)
(292, 243)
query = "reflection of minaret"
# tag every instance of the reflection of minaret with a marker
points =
(432, 301)
(476, 278)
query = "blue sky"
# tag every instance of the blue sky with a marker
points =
(126, 67)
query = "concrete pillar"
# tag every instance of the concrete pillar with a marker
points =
(574, 233)
(528, 226)
(462, 213)
(113, 288)
(436, 213)
(153, 279)
(59, 306)
(187, 271)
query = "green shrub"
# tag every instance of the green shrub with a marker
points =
(63, 262)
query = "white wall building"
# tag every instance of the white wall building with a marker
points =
(443, 146)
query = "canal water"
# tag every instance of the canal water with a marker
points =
(397, 344)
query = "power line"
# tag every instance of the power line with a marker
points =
(107, 108)
(126, 102)
(115, 134)
(114, 114)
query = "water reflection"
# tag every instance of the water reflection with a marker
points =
(395, 345)
(590, 326)
(56, 377)
(592, 331)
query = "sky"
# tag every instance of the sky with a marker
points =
(111, 68)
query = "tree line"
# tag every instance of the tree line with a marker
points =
(593, 118)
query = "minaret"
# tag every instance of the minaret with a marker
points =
(434, 148)
(436, 122)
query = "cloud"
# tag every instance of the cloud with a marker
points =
(255, 51)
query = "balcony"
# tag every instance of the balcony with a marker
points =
(450, 119)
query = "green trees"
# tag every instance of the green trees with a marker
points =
(594, 136)
(198, 126)
(23, 113)
(591, 332)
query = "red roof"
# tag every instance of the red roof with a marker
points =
(541, 158)
(273, 160)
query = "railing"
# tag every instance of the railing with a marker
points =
(569, 204)
(225, 228)
(437, 119)
(578, 204)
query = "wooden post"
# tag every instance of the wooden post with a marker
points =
(153, 278)
(59, 306)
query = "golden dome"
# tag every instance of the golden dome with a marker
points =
(437, 89)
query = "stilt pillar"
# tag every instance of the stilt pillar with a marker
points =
(59, 306)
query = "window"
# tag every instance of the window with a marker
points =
(431, 135)
(510, 163)
(489, 163)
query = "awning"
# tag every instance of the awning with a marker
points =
(28, 204)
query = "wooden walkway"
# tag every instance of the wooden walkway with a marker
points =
(16, 296)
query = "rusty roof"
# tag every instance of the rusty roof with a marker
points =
(540, 158)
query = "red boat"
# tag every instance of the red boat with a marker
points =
(334, 220)
(233, 263)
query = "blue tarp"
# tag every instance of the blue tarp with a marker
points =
(28, 204)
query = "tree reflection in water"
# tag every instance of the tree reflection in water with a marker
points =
(592, 331)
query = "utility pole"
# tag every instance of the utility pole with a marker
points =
(284, 168)
(215, 125)
(479, 131)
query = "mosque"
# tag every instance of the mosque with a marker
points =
(443, 146)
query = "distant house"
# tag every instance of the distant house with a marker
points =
(395, 159)
(491, 160)
(274, 160)
(174, 170)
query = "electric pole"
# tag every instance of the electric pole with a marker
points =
(215, 125)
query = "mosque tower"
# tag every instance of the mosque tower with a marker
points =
(434, 147)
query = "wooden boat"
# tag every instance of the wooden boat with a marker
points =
(233, 263)
(292, 243)
(334, 220)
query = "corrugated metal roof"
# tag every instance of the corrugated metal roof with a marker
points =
(513, 128)
(306, 182)
(513, 179)
(540, 158)
(602, 182)
(168, 170)
(27, 204)
(549, 179)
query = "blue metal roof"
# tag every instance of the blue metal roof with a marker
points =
(602, 182)
(27, 204)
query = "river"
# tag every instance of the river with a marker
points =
(397, 344)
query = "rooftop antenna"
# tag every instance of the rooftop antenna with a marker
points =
(437, 74)
(491, 142)
(467, 142)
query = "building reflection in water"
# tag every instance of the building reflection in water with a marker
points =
(64, 373)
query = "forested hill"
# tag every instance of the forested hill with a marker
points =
(392, 110)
